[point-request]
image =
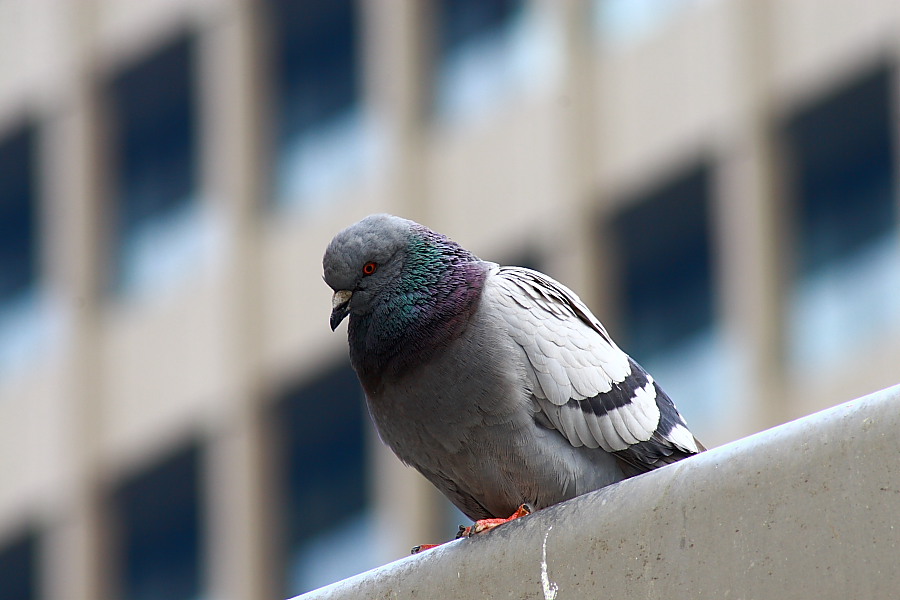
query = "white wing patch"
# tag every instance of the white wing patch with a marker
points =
(647, 413)
(576, 372)
(683, 438)
(570, 357)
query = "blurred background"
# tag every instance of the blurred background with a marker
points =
(716, 178)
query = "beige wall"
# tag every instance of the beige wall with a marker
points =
(127, 381)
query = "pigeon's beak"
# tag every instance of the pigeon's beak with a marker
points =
(340, 307)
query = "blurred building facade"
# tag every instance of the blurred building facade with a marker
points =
(716, 178)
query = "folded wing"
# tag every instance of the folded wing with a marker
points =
(583, 385)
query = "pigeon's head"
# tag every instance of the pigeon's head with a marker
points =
(362, 260)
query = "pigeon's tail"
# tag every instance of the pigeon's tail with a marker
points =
(652, 454)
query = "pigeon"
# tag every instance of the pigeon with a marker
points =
(495, 382)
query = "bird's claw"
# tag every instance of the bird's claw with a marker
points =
(483, 525)
(480, 526)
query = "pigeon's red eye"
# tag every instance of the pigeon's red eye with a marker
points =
(369, 268)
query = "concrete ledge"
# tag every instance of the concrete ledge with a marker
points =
(810, 509)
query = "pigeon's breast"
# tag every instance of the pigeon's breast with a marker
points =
(460, 408)
(473, 381)
(465, 420)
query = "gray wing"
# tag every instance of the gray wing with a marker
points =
(583, 385)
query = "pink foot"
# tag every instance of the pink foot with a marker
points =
(480, 526)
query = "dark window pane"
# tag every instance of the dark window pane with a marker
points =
(323, 435)
(320, 130)
(663, 241)
(160, 529)
(463, 21)
(315, 60)
(486, 52)
(156, 141)
(18, 256)
(847, 269)
(19, 568)
(843, 163)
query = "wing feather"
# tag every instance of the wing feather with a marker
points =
(588, 389)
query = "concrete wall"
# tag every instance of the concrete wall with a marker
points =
(128, 382)
(805, 510)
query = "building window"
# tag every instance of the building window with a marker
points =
(19, 568)
(23, 321)
(846, 255)
(621, 23)
(18, 231)
(488, 52)
(668, 302)
(161, 233)
(329, 529)
(160, 530)
(322, 133)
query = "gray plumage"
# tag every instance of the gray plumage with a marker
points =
(497, 383)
